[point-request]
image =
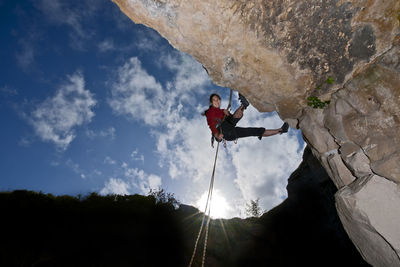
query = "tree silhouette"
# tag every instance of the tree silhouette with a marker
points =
(253, 208)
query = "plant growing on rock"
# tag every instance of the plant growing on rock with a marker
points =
(314, 101)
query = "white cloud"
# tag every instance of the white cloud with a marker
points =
(137, 94)
(7, 91)
(55, 119)
(26, 54)
(109, 161)
(106, 45)
(59, 12)
(27, 49)
(184, 147)
(136, 156)
(263, 167)
(148, 40)
(110, 132)
(141, 180)
(154, 182)
(259, 169)
(55, 163)
(77, 15)
(249, 170)
(115, 186)
(25, 141)
(75, 168)
(97, 172)
(132, 180)
(189, 75)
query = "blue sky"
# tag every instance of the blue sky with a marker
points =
(91, 102)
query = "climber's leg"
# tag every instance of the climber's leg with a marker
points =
(238, 114)
(271, 132)
(243, 101)
(240, 132)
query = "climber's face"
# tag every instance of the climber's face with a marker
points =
(216, 102)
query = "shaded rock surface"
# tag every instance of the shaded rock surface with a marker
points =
(305, 229)
(357, 206)
(278, 53)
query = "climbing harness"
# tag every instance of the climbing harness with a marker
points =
(207, 210)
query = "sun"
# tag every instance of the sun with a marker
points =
(220, 208)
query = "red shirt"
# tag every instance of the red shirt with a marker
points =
(214, 116)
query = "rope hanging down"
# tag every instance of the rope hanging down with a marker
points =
(206, 212)
(208, 206)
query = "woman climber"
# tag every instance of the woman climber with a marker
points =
(223, 124)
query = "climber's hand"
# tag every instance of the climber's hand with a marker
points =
(219, 137)
(226, 112)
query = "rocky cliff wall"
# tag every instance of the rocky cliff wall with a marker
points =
(305, 229)
(278, 53)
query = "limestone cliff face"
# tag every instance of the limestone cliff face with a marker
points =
(277, 53)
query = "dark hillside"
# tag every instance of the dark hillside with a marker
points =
(43, 230)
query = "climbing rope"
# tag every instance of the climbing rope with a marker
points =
(230, 100)
(208, 223)
(207, 210)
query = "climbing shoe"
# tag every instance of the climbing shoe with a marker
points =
(243, 101)
(285, 128)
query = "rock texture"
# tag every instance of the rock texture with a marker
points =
(358, 205)
(277, 53)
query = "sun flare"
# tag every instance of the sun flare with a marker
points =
(219, 205)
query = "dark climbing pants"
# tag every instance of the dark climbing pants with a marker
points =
(232, 132)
